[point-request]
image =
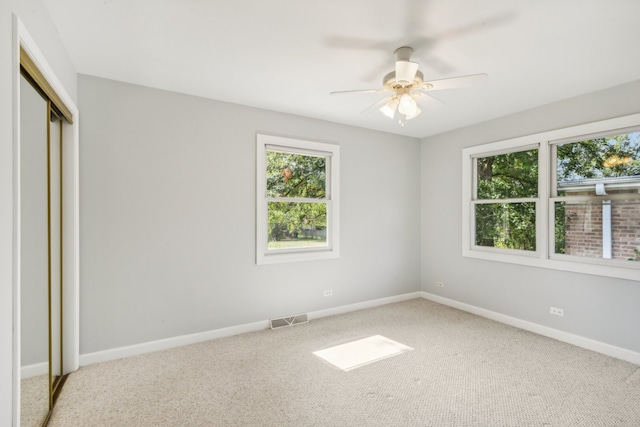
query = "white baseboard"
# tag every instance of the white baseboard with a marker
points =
(362, 305)
(34, 370)
(577, 340)
(164, 344)
(133, 350)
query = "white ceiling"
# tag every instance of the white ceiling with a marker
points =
(287, 55)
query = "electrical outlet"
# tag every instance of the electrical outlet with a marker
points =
(556, 311)
(440, 284)
(328, 293)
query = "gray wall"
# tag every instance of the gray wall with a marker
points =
(595, 307)
(168, 217)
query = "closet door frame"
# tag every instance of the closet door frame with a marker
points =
(24, 44)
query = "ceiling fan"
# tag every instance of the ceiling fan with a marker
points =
(405, 86)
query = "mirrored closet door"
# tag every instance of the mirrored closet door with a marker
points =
(41, 248)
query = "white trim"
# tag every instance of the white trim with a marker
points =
(167, 343)
(591, 135)
(573, 132)
(505, 148)
(606, 229)
(290, 149)
(164, 344)
(505, 201)
(544, 256)
(468, 190)
(542, 206)
(266, 142)
(624, 197)
(15, 410)
(21, 37)
(362, 305)
(577, 340)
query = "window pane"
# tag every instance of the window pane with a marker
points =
(506, 225)
(607, 229)
(297, 225)
(611, 160)
(295, 175)
(508, 176)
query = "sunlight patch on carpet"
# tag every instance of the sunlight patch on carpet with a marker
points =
(362, 352)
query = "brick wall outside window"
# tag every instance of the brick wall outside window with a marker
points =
(583, 230)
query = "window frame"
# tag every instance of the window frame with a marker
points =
(331, 152)
(544, 256)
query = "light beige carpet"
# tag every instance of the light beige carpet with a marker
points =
(464, 371)
(34, 400)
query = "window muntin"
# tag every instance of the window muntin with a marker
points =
(297, 202)
(558, 195)
(506, 190)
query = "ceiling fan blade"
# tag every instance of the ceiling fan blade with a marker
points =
(342, 92)
(429, 101)
(375, 106)
(406, 71)
(455, 82)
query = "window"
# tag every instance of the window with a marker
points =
(566, 199)
(595, 196)
(505, 199)
(297, 200)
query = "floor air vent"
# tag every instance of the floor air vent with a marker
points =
(282, 322)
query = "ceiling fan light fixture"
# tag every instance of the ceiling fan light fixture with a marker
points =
(406, 83)
(411, 116)
(408, 106)
(389, 109)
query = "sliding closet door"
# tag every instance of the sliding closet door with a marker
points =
(44, 154)
(41, 249)
(34, 256)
